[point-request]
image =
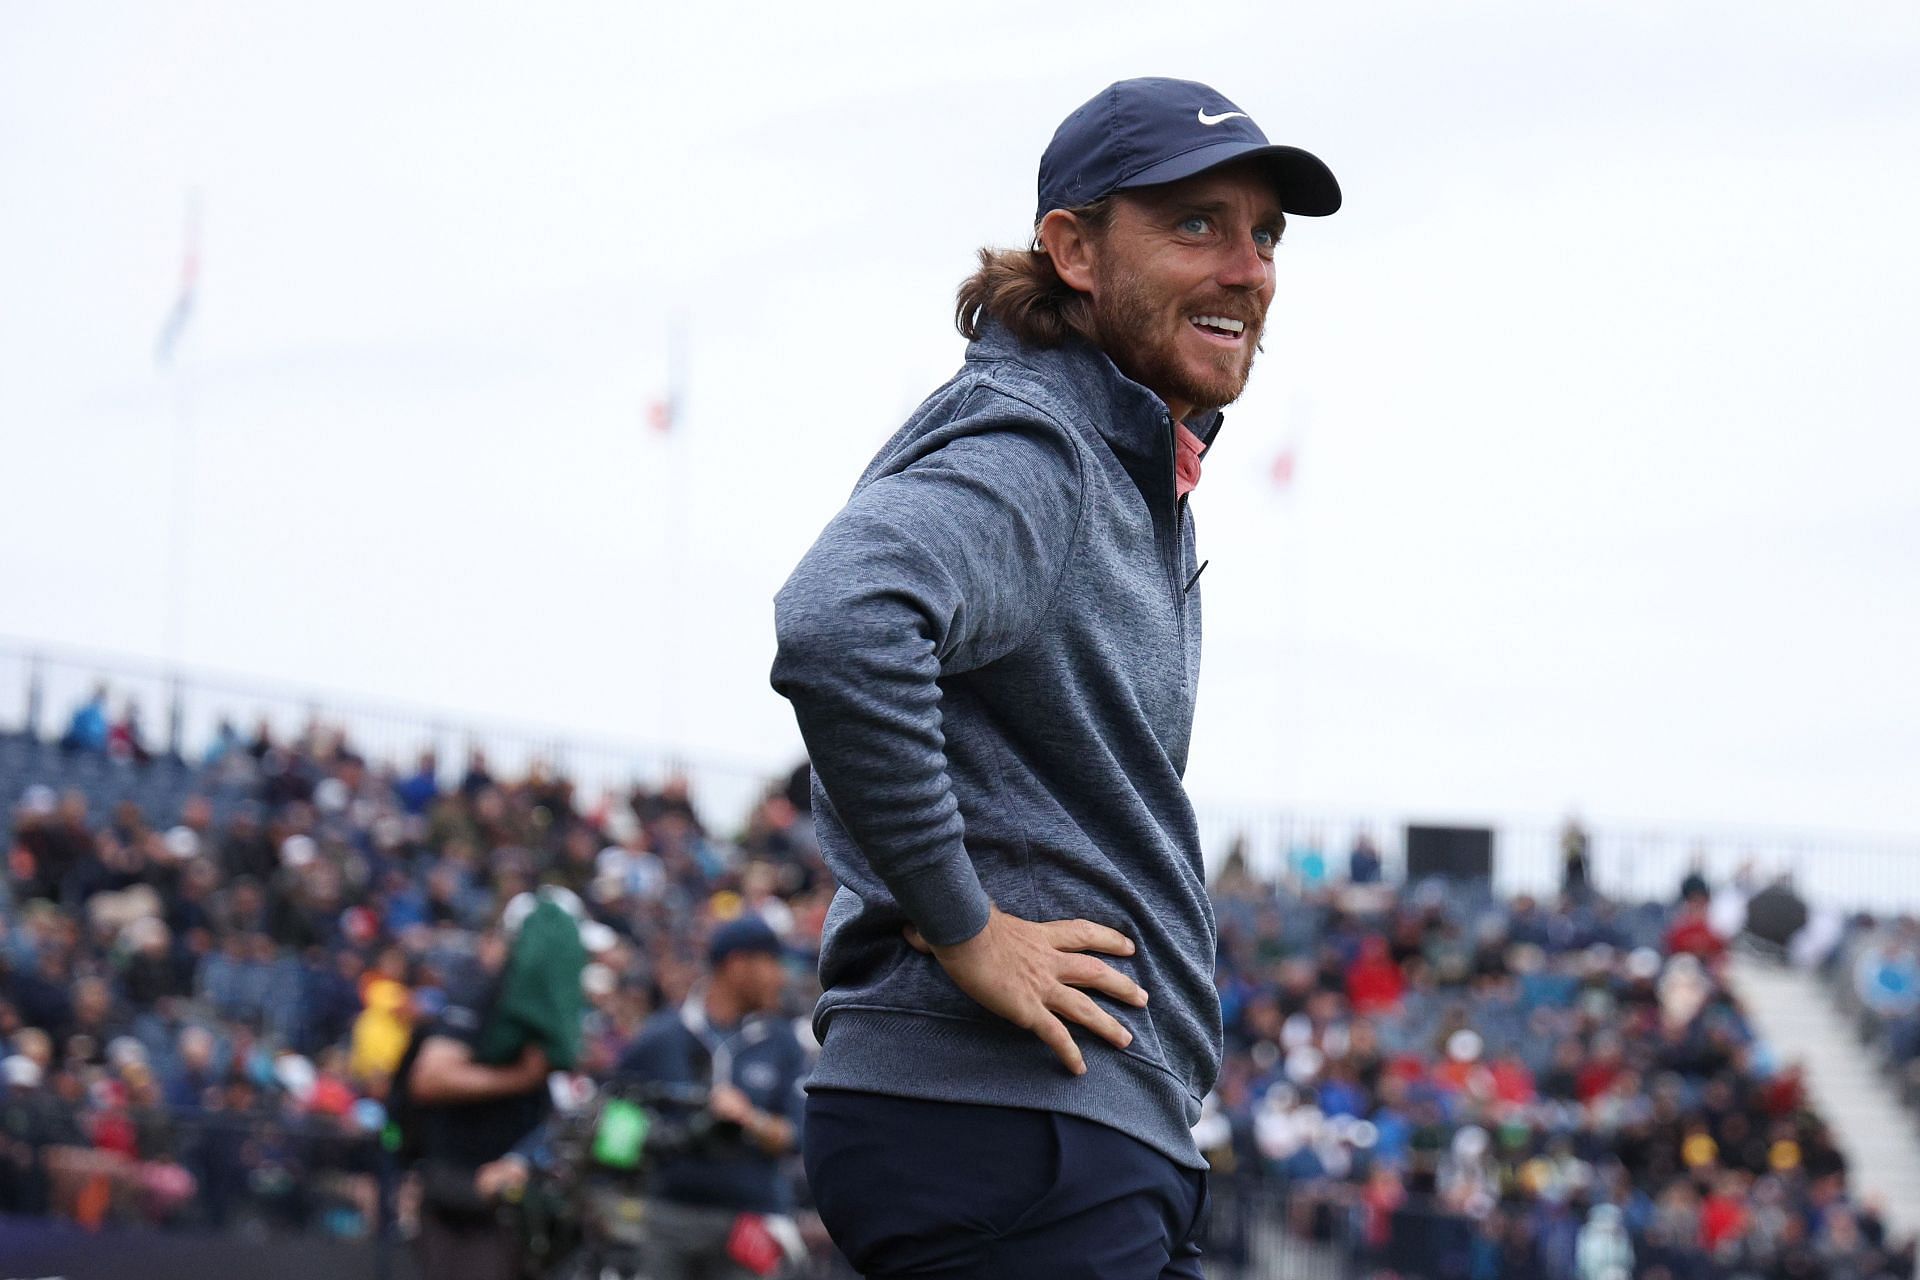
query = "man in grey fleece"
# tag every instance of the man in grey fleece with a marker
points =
(992, 652)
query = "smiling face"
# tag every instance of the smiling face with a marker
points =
(1181, 278)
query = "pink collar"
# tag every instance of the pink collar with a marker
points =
(1186, 459)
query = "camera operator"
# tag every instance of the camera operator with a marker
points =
(720, 1214)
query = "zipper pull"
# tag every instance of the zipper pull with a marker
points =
(1196, 576)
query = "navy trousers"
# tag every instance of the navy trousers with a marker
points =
(949, 1191)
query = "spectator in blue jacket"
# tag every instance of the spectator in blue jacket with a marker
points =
(88, 729)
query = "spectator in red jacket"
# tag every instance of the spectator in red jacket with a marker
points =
(1602, 1068)
(1723, 1215)
(1692, 934)
(1375, 983)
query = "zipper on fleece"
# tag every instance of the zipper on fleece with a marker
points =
(1171, 560)
(1176, 554)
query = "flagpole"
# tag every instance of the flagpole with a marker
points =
(1283, 472)
(675, 543)
(183, 440)
(181, 386)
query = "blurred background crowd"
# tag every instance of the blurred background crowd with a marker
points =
(210, 968)
(1492, 1088)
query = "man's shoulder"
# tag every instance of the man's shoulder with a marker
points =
(455, 1021)
(1004, 380)
(468, 999)
(989, 412)
(661, 1022)
(1076, 383)
(658, 1032)
(1027, 383)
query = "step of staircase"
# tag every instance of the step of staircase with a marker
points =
(1798, 1018)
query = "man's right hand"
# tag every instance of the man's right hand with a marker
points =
(504, 1178)
(1028, 974)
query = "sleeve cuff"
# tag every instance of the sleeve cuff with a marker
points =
(945, 901)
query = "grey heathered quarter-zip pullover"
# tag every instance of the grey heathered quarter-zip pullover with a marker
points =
(992, 652)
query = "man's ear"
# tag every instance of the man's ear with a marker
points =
(1066, 240)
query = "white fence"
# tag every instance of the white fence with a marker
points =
(39, 687)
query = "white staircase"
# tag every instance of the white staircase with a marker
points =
(1799, 1019)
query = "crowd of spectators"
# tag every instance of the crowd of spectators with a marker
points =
(205, 985)
(1518, 1088)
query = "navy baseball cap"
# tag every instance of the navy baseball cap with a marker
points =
(743, 933)
(1139, 133)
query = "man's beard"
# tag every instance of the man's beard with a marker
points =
(1128, 315)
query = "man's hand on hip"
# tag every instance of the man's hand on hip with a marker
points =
(1028, 974)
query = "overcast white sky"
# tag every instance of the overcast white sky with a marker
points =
(1602, 384)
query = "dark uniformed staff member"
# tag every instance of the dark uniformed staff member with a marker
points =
(728, 1035)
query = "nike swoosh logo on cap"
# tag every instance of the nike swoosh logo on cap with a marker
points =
(1223, 116)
